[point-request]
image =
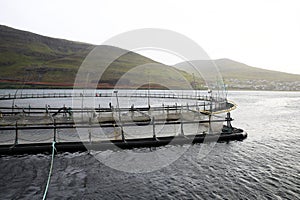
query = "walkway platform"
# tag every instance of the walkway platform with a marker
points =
(17, 149)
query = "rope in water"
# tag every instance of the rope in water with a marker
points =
(50, 170)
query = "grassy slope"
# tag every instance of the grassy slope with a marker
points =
(233, 69)
(230, 69)
(29, 57)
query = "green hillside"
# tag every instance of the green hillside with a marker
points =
(237, 75)
(31, 57)
(48, 62)
(232, 69)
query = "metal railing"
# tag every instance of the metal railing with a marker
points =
(111, 94)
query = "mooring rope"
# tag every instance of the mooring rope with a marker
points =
(50, 170)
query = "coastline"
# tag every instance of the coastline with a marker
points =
(15, 84)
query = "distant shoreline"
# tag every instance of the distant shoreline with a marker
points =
(15, 84)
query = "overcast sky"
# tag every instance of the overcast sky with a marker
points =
(262, 33)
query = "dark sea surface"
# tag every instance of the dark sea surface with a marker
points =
(266, 165)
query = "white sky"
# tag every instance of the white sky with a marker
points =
(260, 33)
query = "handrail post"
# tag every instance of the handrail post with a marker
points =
(181, 126)
(99, 115)
(29, 110)
(210, 114)
(153, 125)
(122, 133)
(16, 137)
(54, 132)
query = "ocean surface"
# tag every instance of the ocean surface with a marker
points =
(266, 165)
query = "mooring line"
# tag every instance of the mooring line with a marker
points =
(50, 171)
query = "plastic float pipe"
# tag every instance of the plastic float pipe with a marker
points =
(17, 149)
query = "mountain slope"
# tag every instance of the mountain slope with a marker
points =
(233, 69)
(38, 60)
(241, 76)
(25, 55)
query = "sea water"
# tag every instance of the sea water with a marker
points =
(263, 166)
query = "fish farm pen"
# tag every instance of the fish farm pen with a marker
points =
(99, 121)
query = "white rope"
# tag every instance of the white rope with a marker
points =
(50, 170)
